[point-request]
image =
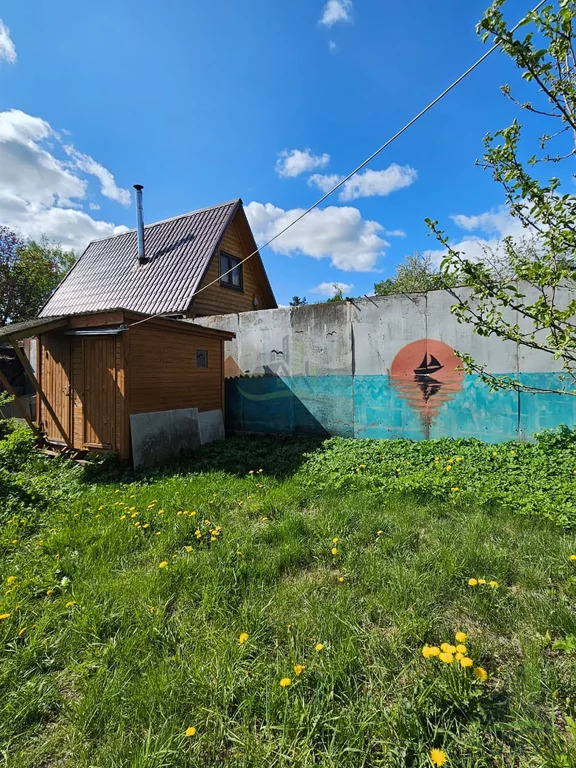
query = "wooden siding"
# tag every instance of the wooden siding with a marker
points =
(95, 392)
(163, 372)
(83, 378)
(220, 300)
(54, 378)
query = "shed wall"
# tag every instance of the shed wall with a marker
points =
(163, 371)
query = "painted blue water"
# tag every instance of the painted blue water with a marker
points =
(369, 406)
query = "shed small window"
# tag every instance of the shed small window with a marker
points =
(230, 279)
(201, 358)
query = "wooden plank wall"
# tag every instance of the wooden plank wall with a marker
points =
(54, 378)
(163, 372)
(219, 300)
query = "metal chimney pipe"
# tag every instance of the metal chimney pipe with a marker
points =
(140, 214)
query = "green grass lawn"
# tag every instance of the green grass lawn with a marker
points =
(125, 599)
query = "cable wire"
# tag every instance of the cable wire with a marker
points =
(356, 170)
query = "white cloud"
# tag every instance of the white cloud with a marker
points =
(7, 47)
(368, 183)
(293, 162)
(335, 11)
(41, 194)
(108, 186)
(332, 46)
(331, 289)
(324, 181)
(490, 227)
(338, 233)
(395, 233)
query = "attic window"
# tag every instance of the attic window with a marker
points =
(230, 279)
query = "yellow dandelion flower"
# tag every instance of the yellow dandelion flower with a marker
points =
(466, 662)
(334, 550)
(335, 540)
(179, 512)
(438, 757)
(572, 557)
(146, 525)
(481, 581)
(458, 458)
(319, 647)
(193, 513)
(158, 533)
(379, 533)
(448, 648)
(163, 564)
(188, 548)
(433, 651)
(70, 603)
(436, 458)
(298, 669)
(137, 524)
(493, 584)
(122, 517)
(4, 616)
(448, 467)
(341, 579)
(243, 637)
(285, 682)
(461, 637)
(459, 656)
(480, 673)
(11, 579)
(206, 522)
(461, 649)
(50, 591)
(454, 489)
(447, 658)
(472, 582)
(191, 731)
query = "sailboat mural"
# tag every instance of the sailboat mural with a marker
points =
(427, 373)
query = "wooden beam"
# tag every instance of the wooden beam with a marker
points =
(20, 405)
(30, 373)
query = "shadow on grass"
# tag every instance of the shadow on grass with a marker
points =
(278, 457)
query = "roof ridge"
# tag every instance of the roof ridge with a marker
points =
(235, 201)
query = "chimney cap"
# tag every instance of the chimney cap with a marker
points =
(139, 187)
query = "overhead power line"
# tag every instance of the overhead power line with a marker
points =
(362, 165)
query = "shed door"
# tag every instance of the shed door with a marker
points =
(55, 379)
(95, 391)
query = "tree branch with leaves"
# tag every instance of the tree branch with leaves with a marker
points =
(536, 309)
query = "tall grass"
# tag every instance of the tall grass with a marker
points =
(108, 658)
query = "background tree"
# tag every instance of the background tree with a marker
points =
(298, 302)
(338, 295)
(29, 272)
(538, 311)
(417, 273)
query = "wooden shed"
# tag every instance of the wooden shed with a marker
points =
(94, 370)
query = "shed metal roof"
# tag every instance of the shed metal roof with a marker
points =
(178, 251)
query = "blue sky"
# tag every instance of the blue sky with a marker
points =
(204, 102)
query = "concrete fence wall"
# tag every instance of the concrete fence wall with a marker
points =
(382, 367)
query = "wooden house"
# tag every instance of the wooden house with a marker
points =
(189, 266)
(95, 369)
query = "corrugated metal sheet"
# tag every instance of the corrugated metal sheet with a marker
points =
(108, 273)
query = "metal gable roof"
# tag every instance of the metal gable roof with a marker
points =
(178, 251)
